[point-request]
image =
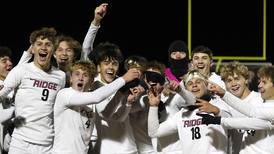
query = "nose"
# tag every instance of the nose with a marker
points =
(260, 85)
(9, 63)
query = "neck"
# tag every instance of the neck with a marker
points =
(64, 68)
(245, 93)
(2, 77)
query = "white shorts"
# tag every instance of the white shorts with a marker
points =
(18, 146)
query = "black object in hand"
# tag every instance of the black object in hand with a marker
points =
(209, 119)
(19, 121)
(192, 107)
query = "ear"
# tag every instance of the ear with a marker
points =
(54, 55)
(246, 82)
(211, 62)
(98, 69)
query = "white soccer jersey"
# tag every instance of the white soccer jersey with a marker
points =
(244, 140)
(195, 137)
(34, 100)
(254, 141)
(74, 120)
(115, 135)
(73, 125)
(216, 79)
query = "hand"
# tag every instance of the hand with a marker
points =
(153, 97)
(99, 13)
(205, 106)
(135, 93)
(30, 49)
(131, 74)
(19, 121)
(215, 88)
(209, 119)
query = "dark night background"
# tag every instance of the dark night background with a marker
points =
(228, 27)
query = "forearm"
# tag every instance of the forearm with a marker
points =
(189, 98)
(6, 114)
(26, 56)
(154, 128)
(88, 41)
(236, 103)
(246, 123)
(4, 92)
(85, 98)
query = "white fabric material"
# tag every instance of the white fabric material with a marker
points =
(217, 79)
(88, 41)
(18, 146)
(6, 114)
(265, 112)
(74, 121)
(194, 137)
(34, 100)
(260, 133)
(116, 136)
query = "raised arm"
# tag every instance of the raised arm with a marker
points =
(87, 46)
(26, 56)
(154, 128)
(85, 98)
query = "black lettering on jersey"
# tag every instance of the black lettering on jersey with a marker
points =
(44, 84)
(251, 132)
(192, 122)
(88, 123)
(195, 133)
(45, 95)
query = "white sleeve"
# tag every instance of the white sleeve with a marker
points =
(26, 56)
(246, 123)
(88, 41)
(85, 98)
(11, 82)
(189, 98)
(247, 109)
(160, 130)
(6, 114)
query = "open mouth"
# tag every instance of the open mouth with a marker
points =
(43, 56)
(109, 72)
(80, 85)
(200, 66)
(64, 60)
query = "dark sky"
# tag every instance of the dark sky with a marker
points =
(146, 28)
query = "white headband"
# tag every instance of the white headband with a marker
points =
(194, 74)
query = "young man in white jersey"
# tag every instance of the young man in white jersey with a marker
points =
(236, 77)
(202, 60)
(114, 131)
(194, 137)
(256, 113)
(68, 50)
(72, 135)
(37, 84)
